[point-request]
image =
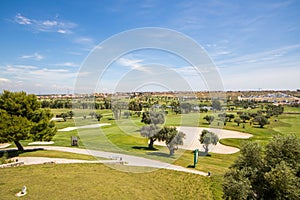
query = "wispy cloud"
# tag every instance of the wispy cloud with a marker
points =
(55, 25)
(35, 56)
(260, 57)
(22, 20)
(134, 64)
(4, 80)
(67, 64)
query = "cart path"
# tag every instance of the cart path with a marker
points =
(128, 160)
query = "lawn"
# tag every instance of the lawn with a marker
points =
(97, 181)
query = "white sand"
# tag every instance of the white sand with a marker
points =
(192, 135)
(86, 126)
(41, 143)
(4, 145)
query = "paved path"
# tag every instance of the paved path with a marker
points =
(128, 159)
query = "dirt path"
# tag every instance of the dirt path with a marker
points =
(191, 141)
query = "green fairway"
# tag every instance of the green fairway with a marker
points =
(97, 181)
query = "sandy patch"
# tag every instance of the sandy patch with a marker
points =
(191, 141)
(86, 126)
(57, 119)
(41, 143)
(4, 145)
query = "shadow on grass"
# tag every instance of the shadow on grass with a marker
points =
(144, 148)
(14, 153)
(160, 154)
(191, 166)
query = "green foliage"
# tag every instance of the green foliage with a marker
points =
(216, 105)
(273, 176)
(153, 117)
(207, 138)
(261, 120)
(238, 121)
(209, 118)
(150, 131)
(172, 137)
(22, 118)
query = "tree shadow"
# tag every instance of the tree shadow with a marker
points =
(203, 153)
(144, 148)
(160, 154)
(14, 152)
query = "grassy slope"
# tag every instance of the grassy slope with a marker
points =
(96, 181)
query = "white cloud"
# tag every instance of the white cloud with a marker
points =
(22, 20)
(62, 27)
(34, 79)
(34, 56)
(67, 64)
(134, 64)
(4, 80)
(84, 40)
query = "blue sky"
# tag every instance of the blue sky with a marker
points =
(254, 44)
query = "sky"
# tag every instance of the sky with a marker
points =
(45, 45)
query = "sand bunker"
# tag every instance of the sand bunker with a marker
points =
(86, 126)
(191, 141)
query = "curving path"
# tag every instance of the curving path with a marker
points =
(128, 159)
(191, 141)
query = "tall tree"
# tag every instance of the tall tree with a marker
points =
(172, 137)
(150, 131)
(153, 117)
(207, 138)
(273, 175)
(21, 118)
(261, 120)
(216, 105)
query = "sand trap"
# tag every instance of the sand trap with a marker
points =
(191, 141)
(41, 143)
(4, 145)
(86, 126)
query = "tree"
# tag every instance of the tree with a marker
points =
(207, 138)
(216, 105)
(209, 118)
(261, 120)
(186, 107)
(244, 117)
(238, 121)
(272, 176)
(116, 108)
(153, 118)
(71, 114)
(236, 186)
(98, 116)
(21, 118)
(230, 117)
(150, 131)
(172, 137)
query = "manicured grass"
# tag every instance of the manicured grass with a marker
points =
(49, 154)
(57, 154)
(97, 181)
